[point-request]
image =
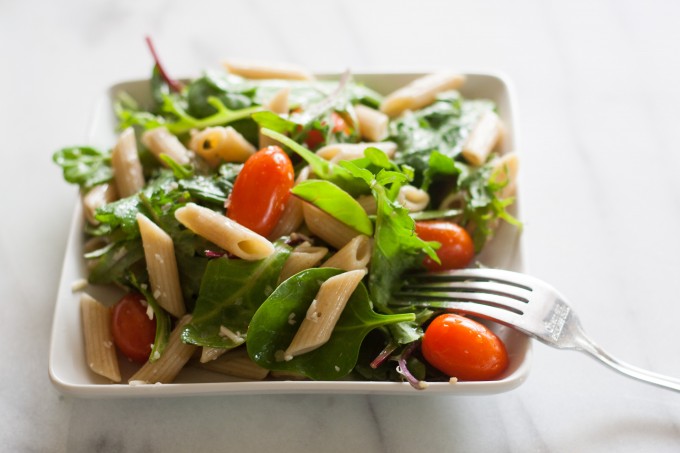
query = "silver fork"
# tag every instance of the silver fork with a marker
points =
(518, 301)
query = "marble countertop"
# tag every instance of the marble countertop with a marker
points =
(596, 84)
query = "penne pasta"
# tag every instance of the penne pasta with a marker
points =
(292, 216)
(482, 139)
(224, 232)
(221, 144)
(350, 151)
(279, 102)
(353, 256)
(175, 355)
(127, 169)
(369, 203)
(208, 354)
(505, 170)
(237, 363)
(159, 252)
(420, 93)
(413, 198)
(161, 141)
(257, 70)
(302, 257)
(372, 123)
(100, 351)
(324, 312)
(97, 197)
(327, 227)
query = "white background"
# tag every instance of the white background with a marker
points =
(597, 85)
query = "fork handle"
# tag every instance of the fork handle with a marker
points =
(589, 347)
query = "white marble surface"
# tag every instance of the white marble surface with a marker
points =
(597, 85)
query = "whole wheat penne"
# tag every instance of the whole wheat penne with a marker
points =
(302, 257)
(505, 170)
(208, 354)
(349, 151)
(355, 255)
(279, 102)
(324, 312)
(161, 141)
(97, 197)
(413, 198)
(372, 123)
(421, 92)
(327, 227)
(258, 70)
(127, 169)
(292, 216)
(175, 355)
(369, 203)
(221, 144)
(161, 264)
(100, 351)
(224, 232)
(237, 363)
(482, 139)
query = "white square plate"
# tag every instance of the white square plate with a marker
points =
(67, 366)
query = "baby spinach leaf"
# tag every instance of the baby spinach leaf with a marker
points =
(233, 93)
(84, 165)
(275, 323)
(336, 202)
(270, 120)
(231, 291)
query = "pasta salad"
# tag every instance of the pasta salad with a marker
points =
(259, 220)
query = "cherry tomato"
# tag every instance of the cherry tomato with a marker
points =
(457, 249)
(133, 331)
(339, 124)
(463, 348)
(261, 190)
(314, 139)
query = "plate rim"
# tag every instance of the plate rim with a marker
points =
(123, 390)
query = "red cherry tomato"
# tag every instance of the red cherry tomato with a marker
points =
(457, 249)
(261, 190)
(314, 139)
(339, 124)
(463, 348)
(133, 331)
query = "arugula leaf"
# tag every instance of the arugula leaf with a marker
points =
(277, 320)
(396, 247)
(84, 165)
(480, 204)
(336, 202)
(322, 168)
(231, 291)
(443, 126)
(112, 265)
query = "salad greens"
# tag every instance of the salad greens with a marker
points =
(277, 320)
(235, 302)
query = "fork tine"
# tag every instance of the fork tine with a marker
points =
(483, 274)
(496, 300)
(493, 313)
(492, 287)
